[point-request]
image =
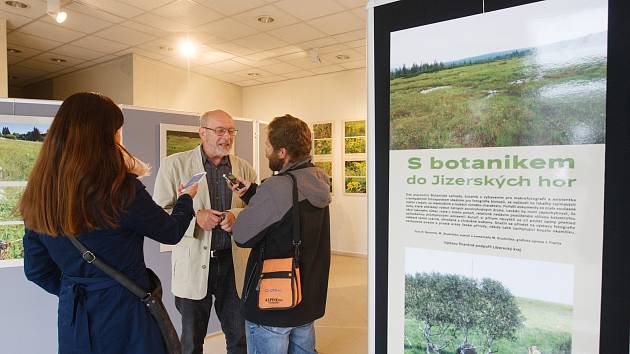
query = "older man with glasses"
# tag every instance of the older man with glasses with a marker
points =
(207, 263)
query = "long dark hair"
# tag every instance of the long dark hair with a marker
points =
(79, 182)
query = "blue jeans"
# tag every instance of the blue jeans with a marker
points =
(280, 340)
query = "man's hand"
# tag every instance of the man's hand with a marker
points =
(239, 191)
(208, 219)
(228, 221)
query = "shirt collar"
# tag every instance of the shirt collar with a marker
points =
(224, 161)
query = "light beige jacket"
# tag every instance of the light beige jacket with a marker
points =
(190, 259)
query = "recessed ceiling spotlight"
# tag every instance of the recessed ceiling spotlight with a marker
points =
(13, 51)
(253, 74)
(18, 4)
(265, 19)
(167, 48)
(187, 48)
(342, 57)
(58, 60)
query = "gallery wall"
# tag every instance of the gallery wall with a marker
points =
(332, 97)
(163, 86)
(113, 79)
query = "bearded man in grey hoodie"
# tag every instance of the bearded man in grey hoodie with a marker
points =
(266, 226)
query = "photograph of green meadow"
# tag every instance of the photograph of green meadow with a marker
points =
(19, 147)
(549, 94)
(354, 137)
(467, 305)
(322, 139)
(179, 141)
(355, 173)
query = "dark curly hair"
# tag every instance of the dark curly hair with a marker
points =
(292, 134)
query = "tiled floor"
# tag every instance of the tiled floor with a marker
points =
(343, 330)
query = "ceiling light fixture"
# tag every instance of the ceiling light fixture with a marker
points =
(265, 19)
(53, 9)
(13, 51)
(58, 60)
(253, 74)
(342, 57)
(187, 48)
(17, 4)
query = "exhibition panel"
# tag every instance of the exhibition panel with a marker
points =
(490, 227)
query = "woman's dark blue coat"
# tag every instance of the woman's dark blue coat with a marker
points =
(96, 314)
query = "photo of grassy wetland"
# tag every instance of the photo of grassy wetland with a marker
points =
(465, 304)
(179, 141)
(19, 146)
(534, 90)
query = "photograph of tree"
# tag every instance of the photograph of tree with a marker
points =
(539, 80)
(354, 137)
(20, 142)
(322, 138)
(465, 303)
(327, 167)
(355, 179)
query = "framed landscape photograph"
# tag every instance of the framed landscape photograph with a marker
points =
(177, 138)
(355, 176)
(354, 141)
(21, 138)
(322, 139)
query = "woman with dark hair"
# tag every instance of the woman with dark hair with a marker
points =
(84, 184)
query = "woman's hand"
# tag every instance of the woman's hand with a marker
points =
(191, 191)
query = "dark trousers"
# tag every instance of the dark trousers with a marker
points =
(227, 305)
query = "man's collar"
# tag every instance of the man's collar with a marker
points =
(204, 158)
(295, 164)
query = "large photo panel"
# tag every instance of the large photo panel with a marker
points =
(497, 133)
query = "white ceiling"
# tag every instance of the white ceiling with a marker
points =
(232, 43)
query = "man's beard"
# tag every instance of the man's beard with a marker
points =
(275, 163)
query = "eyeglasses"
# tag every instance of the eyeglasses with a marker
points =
(221, 131)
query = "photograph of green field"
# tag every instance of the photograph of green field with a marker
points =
(179, 141)
(20, 144)
(465, 304)
(534, 90)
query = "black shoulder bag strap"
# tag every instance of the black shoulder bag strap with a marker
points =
(297, 242)
(152, 299)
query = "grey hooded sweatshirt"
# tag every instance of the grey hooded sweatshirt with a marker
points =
(268, 220)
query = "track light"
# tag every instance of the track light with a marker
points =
(53, 8)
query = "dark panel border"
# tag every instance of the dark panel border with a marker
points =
(615, 306)
(615, 303)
